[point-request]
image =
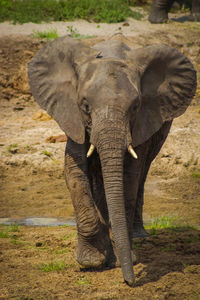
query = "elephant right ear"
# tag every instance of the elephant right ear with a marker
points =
(166, 82)
(53, 82)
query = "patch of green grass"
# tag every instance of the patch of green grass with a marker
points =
(14, 241)
(66, 226)
(196, 174)
(43, 248)
(136, 245)
(195, 296)
(171, 223)
(162, 222)
(70, 236)
(60, 251)
(52, 266)
(168, 248)
(6, 229)
(76, 35)
(25, 298)
(11, 147)
(38, 11)
(48, 35)
(12, 228)
(191, 269)
(83, 281)
(192, 239)
(185, 227)
(47, 153)
(4, 235)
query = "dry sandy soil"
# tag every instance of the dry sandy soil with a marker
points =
(32, 183)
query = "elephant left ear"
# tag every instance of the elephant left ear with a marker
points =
(166, 81)
(54, 77)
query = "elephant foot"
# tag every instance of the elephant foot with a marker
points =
(194, 17)
(158, 16)
(139, 231)
(87, 254)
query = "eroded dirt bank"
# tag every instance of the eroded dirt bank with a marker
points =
(32, 184)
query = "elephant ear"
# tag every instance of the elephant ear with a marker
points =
(53, 81)
(166, 80)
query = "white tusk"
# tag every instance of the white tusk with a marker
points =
(91, 150)
(132, 152)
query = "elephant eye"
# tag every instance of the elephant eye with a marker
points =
(135, 106)
(85, 106)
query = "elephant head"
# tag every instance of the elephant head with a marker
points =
(119, 97)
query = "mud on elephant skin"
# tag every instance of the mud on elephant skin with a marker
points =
(110, 99)
(160, 9)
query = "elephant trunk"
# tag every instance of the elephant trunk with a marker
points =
(111, 145)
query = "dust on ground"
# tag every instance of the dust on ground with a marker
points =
(32, 184)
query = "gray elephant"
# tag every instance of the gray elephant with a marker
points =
(116, 106)
(160, 9)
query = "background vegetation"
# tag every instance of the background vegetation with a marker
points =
(37, 11)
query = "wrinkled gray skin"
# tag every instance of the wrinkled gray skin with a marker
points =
(113, 97)
(160, 9)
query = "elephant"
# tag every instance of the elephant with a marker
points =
(116, 105)
(160, 9)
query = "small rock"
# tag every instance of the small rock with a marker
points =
(13, 151)
(57, 139)
(41, 116)
(18, 108)
(126, 24)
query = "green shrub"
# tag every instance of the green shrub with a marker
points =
(36, 11)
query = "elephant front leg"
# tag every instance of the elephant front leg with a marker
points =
(90, 248)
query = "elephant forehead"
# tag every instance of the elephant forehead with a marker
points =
(103, 72)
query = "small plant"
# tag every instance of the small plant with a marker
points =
(70, 236)
(168, 248)
(192, 239)
(12, 148)
(52, 266)
(196, 174)
(76, 35)
(83, 281)
(13, 228)
(49, 35)
(47, 153)
(191, 269)
(4, 235)
(152, 231)
(6, 229)
(60, 251)
(136, 245)
(163, 222)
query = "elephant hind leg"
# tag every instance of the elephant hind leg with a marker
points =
(195, 13)
(138, 227)
(159, 11)
(149, 150)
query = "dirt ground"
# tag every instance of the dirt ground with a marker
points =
(32, 185)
